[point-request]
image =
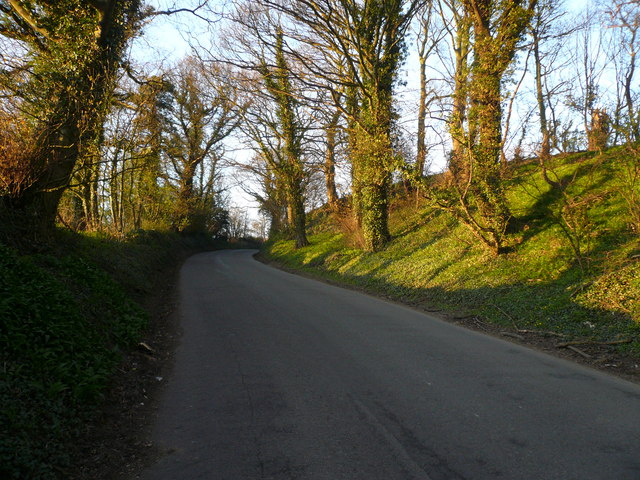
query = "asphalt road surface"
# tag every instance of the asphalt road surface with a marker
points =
(282, 377)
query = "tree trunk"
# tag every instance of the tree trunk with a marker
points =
(89, 178)
(115, 184)
(296, 216)
(35, 210)
(372, 178)
(457, 163)
(330, 162)
(486, 110)
(634, 121)
(372, 158)
(184, 211)
(598, 131)
(421, 152)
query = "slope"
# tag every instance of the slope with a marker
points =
(570, 280)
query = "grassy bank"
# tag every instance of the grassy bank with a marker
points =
(68, 311)
(573, 266)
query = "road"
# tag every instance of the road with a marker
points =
(282, 377)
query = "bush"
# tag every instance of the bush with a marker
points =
(63, 324)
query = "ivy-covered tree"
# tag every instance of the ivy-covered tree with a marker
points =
(380, 42)
(478, 200)
(276, 122)
(289, 167)
(72, 52)
(363, 43)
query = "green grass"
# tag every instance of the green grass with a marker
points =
(434, 261)
(66, 314)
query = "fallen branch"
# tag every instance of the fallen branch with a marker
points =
(506, 315)
(542, 332)
(590, 342)
(145, 348)
(578, 351)
(512, 335)
(480, 324)
(580, 288)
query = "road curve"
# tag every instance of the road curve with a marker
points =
(282, 377)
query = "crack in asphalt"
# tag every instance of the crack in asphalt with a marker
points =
(401, 454)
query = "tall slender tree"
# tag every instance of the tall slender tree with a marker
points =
(498, 27)
(276, 121)
(431, 31)
(332, 138)
(624, 17)
(458, 26)
(364, 43)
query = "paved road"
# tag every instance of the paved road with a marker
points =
(281, 377)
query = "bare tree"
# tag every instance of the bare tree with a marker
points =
(589, 68)
(548, 34)
(431, 33)
(200, 114)
(624, 18)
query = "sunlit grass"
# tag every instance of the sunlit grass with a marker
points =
(539, 284)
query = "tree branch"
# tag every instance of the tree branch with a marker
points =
(27, 16)
(193, 11)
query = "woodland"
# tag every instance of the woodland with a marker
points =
(315, 91)
(363, 130)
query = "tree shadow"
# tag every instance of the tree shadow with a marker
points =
(545, 306)
(544, 212)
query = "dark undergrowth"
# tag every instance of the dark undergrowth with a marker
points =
(68, 309)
